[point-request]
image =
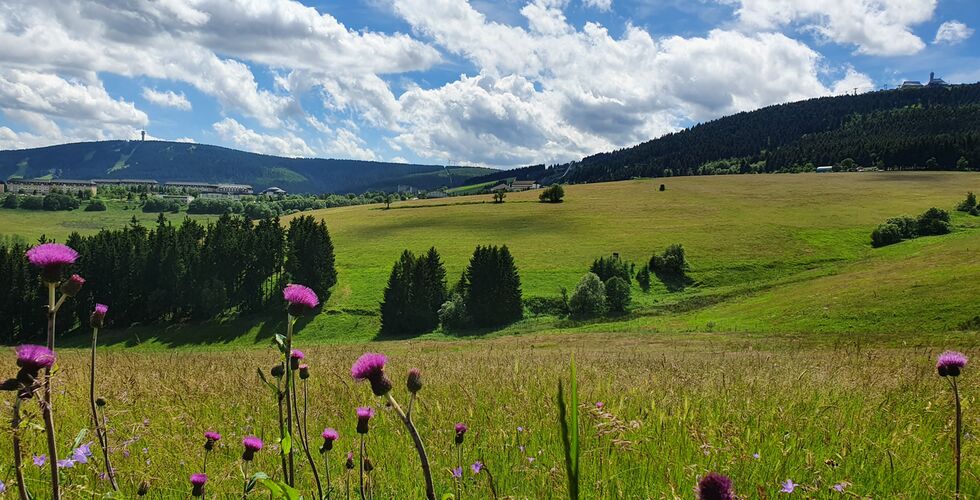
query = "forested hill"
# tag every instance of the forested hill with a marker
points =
(178, 161)
(931, 127)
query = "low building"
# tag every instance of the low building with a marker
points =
(911, 84)
(500, 187)
(436, 194)
(182, 198)
(936, 82)
(197, 186)
(273, 191)
(3, 186)
(41, 186)
(128, 183)
(824, 169)
(234, 189)
(523, 185)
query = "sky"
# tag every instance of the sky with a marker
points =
(499, 83)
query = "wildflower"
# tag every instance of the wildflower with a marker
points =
(520, 428)
(839, 487)
(252, 444)
(300, 299)
(3, 487)
(756, 456)
(97, 319)
(457, 472)
(32, 358)
(350, 460)
(788, 487)
(304, 371)
(530, 460)
(40, 460)
(295, 356)
(950, 363)
(278, 371)
(198, 481)
(370, 366)
(51, 257)
(476, 467)
(211, 438)
(364, 414)
(82, 453)
(414, 380)
(461, 429)
(72, 285)
(329, 436)
(715, 486)
(599, 405)
(66, 463)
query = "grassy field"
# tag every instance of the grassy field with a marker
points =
(761, 410)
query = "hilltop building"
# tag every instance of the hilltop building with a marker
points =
(274, 191)
(915, 84)
(40, 186)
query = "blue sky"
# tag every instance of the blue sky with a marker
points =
(497, 83)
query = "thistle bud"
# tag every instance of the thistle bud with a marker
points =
(414, 380)
(72, 285)
(368, 466)
(304, 371)
(461, 429)
(97, 319)
(350, 460)
(198, 481)
(295, 357)
(278, 371)
(100, 402)
(143, 489)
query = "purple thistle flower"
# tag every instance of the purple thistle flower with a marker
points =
(371, 367)
(300, 298)
(210, 438)
(304, 371)
(252, 444)
(364, 414)
(599, 405)
(198, 481)
(329, 436)
(789, 486)
(715, 486)
(72, 285)
(40, 460)
(477, 467)
(461, 429)
(950, 363)
(51, 257)
(33, 358)
(97, 319)
(66, 463)
(457, 472)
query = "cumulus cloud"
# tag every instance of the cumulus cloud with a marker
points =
(875, 27)
(167, 99)
(599, 4)
(245, 138)
(952, 33)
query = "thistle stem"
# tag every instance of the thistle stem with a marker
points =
(47, 411)
(326, 472)
(959, 427)
(100, 431)
(361, 466)
(419, 446)
(15, 428)
(304, 437)
(291, 476)
(282, 456)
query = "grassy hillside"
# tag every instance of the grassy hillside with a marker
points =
(769, 254)
(177, 161)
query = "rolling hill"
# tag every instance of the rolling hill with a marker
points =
(177, 161)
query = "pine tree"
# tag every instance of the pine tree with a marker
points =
(309, 256)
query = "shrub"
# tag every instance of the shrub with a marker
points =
(95, 205)
(975, 210)
(643, 278)
(933, 221)
(215, 206)
(156, 204)
(589, 298)
(452, 314)
(554, 306)
(11, 201)
(59, 201)
(618, 294)
(663, 187)
(553, 194)
(32, 203)
(259, 211)
(907, 226)
(969, 203)
(885, 234)
(672, 262)
(498, 196)
(608, 267)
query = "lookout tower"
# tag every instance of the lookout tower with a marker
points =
(142, 135)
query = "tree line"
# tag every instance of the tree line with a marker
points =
(173, 273)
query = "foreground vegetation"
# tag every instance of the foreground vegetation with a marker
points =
(761, 410)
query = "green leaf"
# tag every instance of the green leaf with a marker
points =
(448, 496)
(279, 489)
(286, 443)
(79, 438)
(258, 476)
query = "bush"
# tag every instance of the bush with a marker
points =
(32, 203)
(618, 294)
(643, 278)
(215, 206)
(259, 211)
(59, 201)
(907, 226)
(589, 298)
(969, 203)
(156, 204)
(608, 267)
(885, 234)
(11, 201)
(672, 262)
(553, 306)
(553, 194)
(95, 205)
(933, 221)
(452, 314)
(663, 187)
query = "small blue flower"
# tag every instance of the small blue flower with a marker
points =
(457, 472)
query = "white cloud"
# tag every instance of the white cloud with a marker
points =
(952, 33)
(876, 27)
(56, 97)
(554, 93)
(603, 5)
(347, 144)
(853, 81)
(167, 99)
(245, 138)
